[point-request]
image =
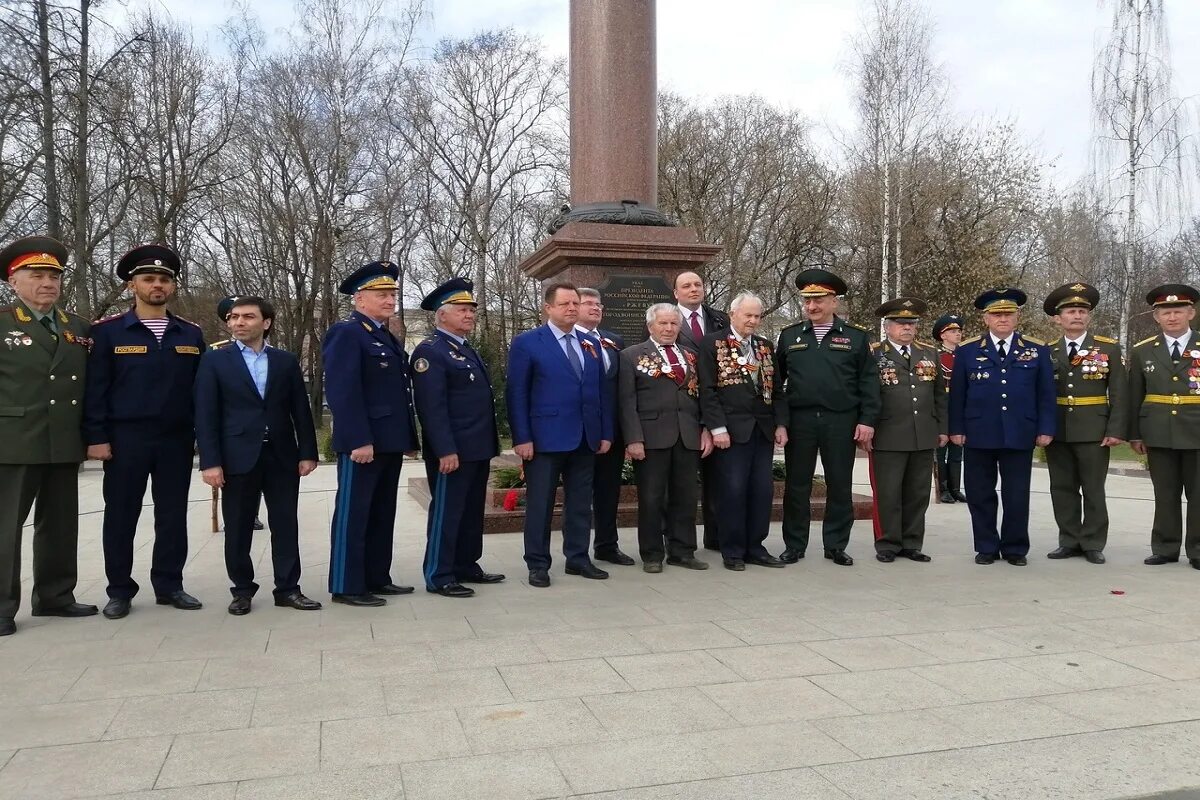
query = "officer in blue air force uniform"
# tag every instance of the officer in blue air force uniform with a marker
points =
(374, 427)
(138, 420)
(1002, 405)
(458, 439)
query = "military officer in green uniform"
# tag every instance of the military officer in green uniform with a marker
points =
(1092, 417)
(912, 425)
(826, 403)
(41, 407)
(1164, 412)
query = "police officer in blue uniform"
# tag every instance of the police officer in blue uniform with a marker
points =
(456, 408)
(138, 420)
(374, 427)
(1002, 405)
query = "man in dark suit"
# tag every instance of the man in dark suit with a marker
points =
(256, 438)
(42, 369)
(138, 420)
(698, 320)
(374, 426)
(660, 415)
(1001, 407)
(560, 418)
(737, 378)
(458, 439)
(606, 478)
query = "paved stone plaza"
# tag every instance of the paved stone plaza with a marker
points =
(878, 682)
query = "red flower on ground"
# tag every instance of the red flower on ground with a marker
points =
(510, 500)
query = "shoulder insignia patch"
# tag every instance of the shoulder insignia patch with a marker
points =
(930, 345)
(21, 315)
(1147, 340)
(421, 365)
(109, 318)
(856, 326)
(971, 340)
(188, 321)
(1105, 339)
(1033, 340)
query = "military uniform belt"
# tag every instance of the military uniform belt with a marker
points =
(1098, 400)
(1173, 399)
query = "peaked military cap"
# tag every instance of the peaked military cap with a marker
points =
(225, 306)
(33, 252)
(376, 275)
(946, 322)
(155, 259)
(1001, 301)
(819, 282)
(1071, 295)
(903, 309)
(456, 291)
(1172, 294)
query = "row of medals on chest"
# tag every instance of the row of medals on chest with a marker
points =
(1193, 370)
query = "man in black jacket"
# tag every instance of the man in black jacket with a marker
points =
(255, 435)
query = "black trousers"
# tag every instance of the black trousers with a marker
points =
(55, 487)
(745, 493)
(364, 517)
(277, 482)
(606, 494)
(542, 474)
(710, 504)
(454, 529)
(830, 433)
(980, 469)
(666, 481)
(1174, 473)
(164, 459)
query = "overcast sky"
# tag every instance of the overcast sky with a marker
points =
(1025, 59)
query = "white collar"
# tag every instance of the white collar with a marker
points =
(1183, 339)
(894, 344)
(1078, 342)
(997, 341)
(687, 312)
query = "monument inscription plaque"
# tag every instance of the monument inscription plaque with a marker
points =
(626, 298)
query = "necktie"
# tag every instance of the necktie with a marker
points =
(904, 351)
(1175, 351)
(48, 324)
(1000, 349)
(1073, 351)
(677, 373)
(696, 332)
(572, 356)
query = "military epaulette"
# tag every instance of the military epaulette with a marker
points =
(185, 319)
(1033, 340)
(1105, 339)
(793, 325)
(1147, 340)
(919, 343)
(220, 344)
(109, 318)
(856, 325)
(971, 340)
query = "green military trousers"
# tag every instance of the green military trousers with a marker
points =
(1078, 471)
(55, 487)
(831, 434)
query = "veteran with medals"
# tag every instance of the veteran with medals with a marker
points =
(42, 367)
(1002, 405)
(1164, 403)
(1092, 417)
(912, 424)
(456, 408)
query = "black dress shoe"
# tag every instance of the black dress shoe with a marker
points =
(1155, 561)
(958, 496)
(885, 556)
(735, 564)
(298, 601)
(7, 626)
(453, 590)
(688, 562)
(390, 588)
(258, 526)
(914, 555)
(364, 600)
(839, 557)
(69, 610)
(239, 606)
(616, 557)
(790, 556)
(1195, 562)
(653, 567)
(588, 571)
(1064, 552)
(1094, 556)
(985, 558)
(116, 608)
(946, 497)
(539, 578)
(181, 600)
(1016, 561)
(767, 560)
(483, 577)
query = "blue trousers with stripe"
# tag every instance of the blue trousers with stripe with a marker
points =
(364, 516)
(455, 528)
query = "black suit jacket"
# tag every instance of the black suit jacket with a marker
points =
(711, 320)
(729, 398)
(232, 420)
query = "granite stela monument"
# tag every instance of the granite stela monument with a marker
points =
(612, 236)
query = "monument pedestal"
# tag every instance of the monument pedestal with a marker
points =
(633, 266)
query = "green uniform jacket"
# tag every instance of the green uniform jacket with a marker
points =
(1100, 372)
(41, 387)
(838, 374)
(1151, 372)
(913, 398)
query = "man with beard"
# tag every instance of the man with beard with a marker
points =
(138, 420)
